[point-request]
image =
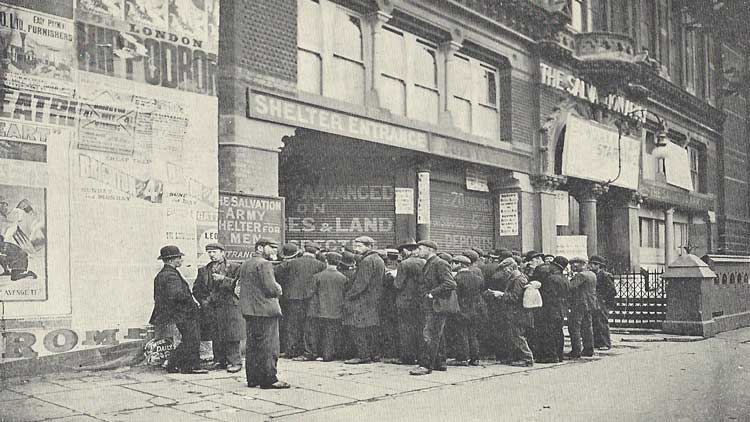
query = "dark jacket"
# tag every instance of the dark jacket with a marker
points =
(173, 302)
(259, 291)
(361, 301)
(470, 287)
(438, 281)
(583, 291)
(221, 319)
(295, 276)
(327, 299)
(408, 281)
(554, 290)
(606, 292)
(513, 298)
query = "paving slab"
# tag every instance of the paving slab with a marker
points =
(220, 412)
(338, 387)
(32, 388)
(162, 414)
(30, 410)
(298, 397)
(224, 384)
(251, 404)
(181, 391)
(99, 400)
(6, 395)
(396, 382)
(78, 418)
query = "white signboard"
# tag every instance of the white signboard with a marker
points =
(572, 246)
(404, 201)
(592, 152)
(562, 208)
(476, 181)
(509, 214)
(423, 198)
(678, 167)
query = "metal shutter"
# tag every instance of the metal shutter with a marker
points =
(461, 219)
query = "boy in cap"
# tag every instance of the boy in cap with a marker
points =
(175, 304)
(606, 294)
(326, 307)
(583, 304)
(466, 324)
(214, 288)
(361, 301)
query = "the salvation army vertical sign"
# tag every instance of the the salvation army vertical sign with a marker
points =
(243, 219)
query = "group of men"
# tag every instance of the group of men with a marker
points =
(408, 305)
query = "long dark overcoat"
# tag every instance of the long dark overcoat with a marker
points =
(362, 299)
(173, 302)
(295, 276)
(470, 288)
(221, 319)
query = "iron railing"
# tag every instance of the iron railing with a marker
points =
(641, 300)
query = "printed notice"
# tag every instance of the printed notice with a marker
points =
(509, 214)
(404, 201)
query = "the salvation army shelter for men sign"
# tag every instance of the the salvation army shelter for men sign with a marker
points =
(243, 219)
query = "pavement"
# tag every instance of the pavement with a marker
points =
(645, 376)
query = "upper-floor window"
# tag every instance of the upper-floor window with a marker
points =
(578, 15)
(330, 56)
(408, 77)
(696, 168)
(475, 99)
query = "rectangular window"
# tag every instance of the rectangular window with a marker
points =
(694, 155)
(675, 43)
(652, 233)
(648, 27)
(662, 32)
(476, 97)
(425, 104)
(577, 15)
(688, 50)
(330, 51)
(681, 237)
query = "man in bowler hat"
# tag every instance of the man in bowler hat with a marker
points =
(215, 290)
(175, 304)
(259, 302)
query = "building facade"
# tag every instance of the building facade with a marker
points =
(568, 127)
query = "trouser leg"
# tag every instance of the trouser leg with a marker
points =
(220, 350)
(433, 337)
(410, 331)
(295, 327)
(574, 326)
(520, 345)
(473, 333)
(461, 329)
(187, 354)
(601, 328)
(232, 352)
(262, 350)
(587, 333)
(362, 341)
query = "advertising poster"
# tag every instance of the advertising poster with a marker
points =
(243, 219)
(141, 178)
(37, 51)
(167, 43)
(23, 243)
(509, 214)
(461, 219)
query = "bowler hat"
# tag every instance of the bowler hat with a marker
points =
(500, 254)
(531, 255)
(333, 258)
(462, 259)
(215, 246)
(598, 259)
(288, 251)
(169, 251)
(264, 241)
(429, 243)
(471, 254)
(578, 259)
(367, 240)
(560, 261)
(409, 244)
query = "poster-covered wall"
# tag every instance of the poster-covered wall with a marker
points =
(108, 151)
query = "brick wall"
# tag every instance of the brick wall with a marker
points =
(523, 111)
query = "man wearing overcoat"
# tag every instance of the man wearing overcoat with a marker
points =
(408, 283)
(583, 304)
(295, 276)
(438, 286)
(361, 302)
(606, 294)
(215, 290)
(259, 302)
(175, 304)
(550, 325)
(519, 318)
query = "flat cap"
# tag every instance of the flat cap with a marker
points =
(428, 243)
(445, 256)
(367, 240)
(598, 259)
(215, 246)
(578, 259)
(409, 244)
(312, 247)
(263, 241)
(507, 262)
(333, 258)
(462, 259)
(471, 254)
(531, 255)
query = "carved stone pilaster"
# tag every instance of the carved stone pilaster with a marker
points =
(585, 191)
(546, 182)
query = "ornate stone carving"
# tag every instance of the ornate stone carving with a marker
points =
(585, 191)
(547, 183)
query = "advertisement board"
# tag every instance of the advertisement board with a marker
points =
(243, 219)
